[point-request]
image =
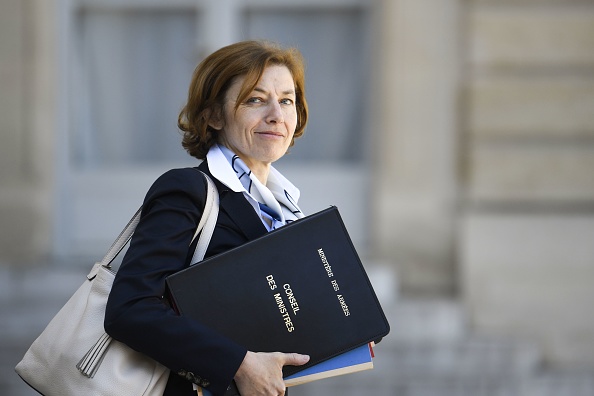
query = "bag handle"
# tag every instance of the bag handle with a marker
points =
(89, 364)
(207, 224)
(208, 221)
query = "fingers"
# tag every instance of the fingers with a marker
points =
(261, 373)
(295, 359)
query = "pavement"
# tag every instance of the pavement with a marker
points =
(429, 352)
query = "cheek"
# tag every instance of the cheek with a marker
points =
(237, 126)
(291, 120)
(246, 121)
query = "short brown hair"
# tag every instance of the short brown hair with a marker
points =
(215, 74)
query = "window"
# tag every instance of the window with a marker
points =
(131, 74)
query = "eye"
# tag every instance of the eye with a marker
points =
(287, 101)
(254, 100)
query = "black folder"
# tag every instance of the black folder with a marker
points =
(301, 288)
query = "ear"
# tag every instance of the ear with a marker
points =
(214, 117)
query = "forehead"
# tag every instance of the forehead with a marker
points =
(276, 76)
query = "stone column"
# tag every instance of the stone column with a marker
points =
(415, 146)
(526, 249)
(26, 127)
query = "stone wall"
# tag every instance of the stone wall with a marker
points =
(527, 173)
(484, 162)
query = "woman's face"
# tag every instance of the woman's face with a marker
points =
(261, 129)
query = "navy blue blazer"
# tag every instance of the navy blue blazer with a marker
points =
(137, 312)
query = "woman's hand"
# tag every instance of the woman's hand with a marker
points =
(261, 373)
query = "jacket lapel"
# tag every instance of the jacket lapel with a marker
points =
(237, 208)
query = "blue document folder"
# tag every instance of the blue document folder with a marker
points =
(355, 360)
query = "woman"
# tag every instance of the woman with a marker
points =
(246, 105)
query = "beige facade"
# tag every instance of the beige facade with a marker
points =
(483, 156)
(527, 177)
(27, 119)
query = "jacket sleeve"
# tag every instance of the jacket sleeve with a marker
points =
(138, 315)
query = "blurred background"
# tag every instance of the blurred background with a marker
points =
(455, 136)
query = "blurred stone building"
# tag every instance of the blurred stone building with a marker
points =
(456, 136)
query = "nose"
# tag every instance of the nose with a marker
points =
(275, 113)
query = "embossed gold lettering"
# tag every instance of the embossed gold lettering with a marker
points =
(271, 282)
(283, 311)
(327, 266)
(335, 285)
(343, 304)
(292, 300)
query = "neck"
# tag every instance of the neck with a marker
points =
(261, 171)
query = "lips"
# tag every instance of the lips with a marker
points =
(270, 133)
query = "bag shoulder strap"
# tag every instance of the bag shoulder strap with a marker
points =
(90, 362)
(206, 225)
(208, 221)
